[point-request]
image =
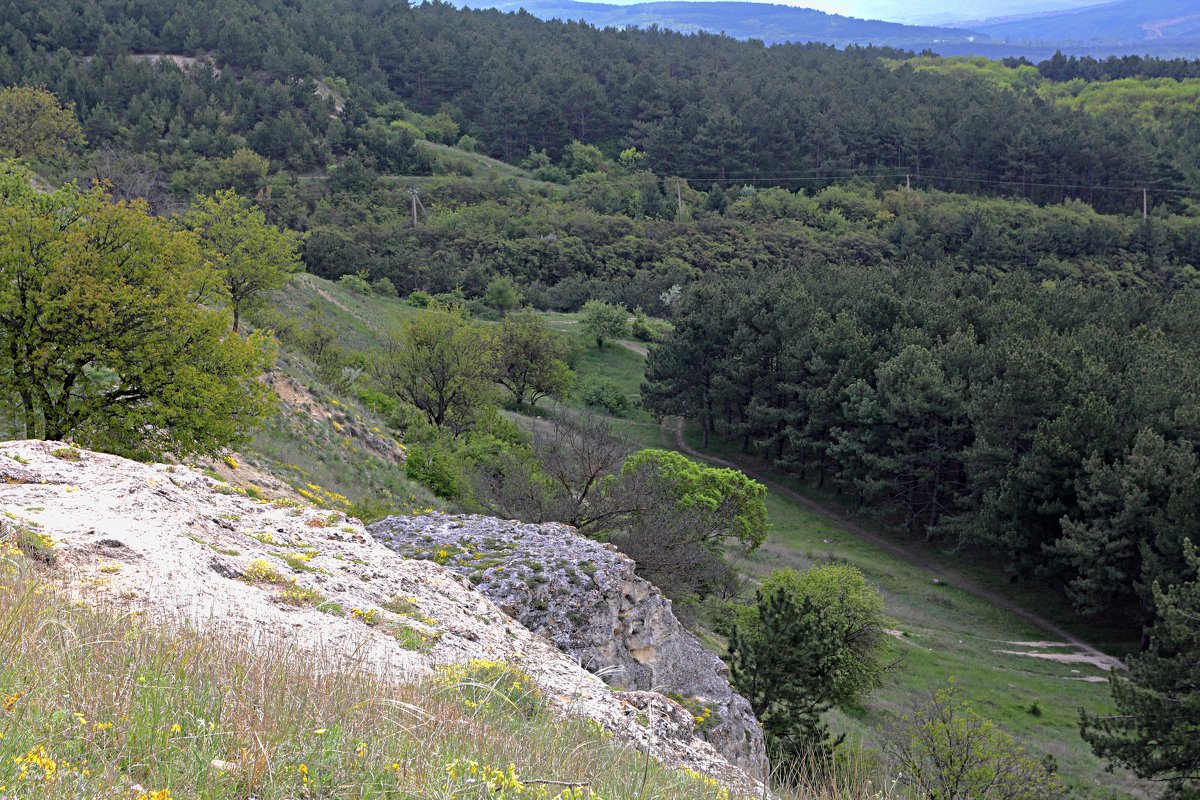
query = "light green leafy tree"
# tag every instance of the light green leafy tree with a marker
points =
(34, 125)
(102, 338)
(719, 504)
(253, 257)
(945, 750)
(603, 321)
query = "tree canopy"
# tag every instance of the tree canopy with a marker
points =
(102, 336)
(251, 256)
(33, 125)
(441, 364)
(813, 640)
(1156, 730)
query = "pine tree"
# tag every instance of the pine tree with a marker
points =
(1157, 730)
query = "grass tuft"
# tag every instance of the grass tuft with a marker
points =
(95, 703)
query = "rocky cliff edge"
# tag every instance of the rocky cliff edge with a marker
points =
(180, 547)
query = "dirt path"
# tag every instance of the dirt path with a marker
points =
(640, 349)
(756, 470)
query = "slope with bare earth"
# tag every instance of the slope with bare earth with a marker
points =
(180, 548)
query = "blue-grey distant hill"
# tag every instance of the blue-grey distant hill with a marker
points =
(1164, 28)
(1146, 22)
(741, 20)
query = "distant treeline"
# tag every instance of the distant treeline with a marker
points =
(1052, 424)
(305, 82)
(1061, 68)
(618, 236)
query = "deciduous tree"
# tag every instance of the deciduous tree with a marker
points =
(945, 750)
(530, 360)
(253, 256)
(34, 125)
(603, 321)
(443, 365)
(102, 339)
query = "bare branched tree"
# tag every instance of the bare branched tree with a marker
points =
(575, 482)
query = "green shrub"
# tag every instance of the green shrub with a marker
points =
(606, 394)
(419, 299)
(356, 283)
(435, 466)
(384, 286)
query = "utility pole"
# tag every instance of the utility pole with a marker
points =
(908, 183)
(416, 201)
(679, 198)
(1145, 202)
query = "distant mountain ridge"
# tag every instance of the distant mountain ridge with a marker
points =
(742, 20)
(1123, 22)
(1164, 28)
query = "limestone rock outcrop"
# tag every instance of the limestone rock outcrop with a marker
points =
(585, 598)
(182, 548)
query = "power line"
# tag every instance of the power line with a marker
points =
(909, 176)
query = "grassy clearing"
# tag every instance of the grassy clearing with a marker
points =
(98, 704)
(942, 632)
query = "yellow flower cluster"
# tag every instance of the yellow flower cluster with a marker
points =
(11, 700)
(260, 571)
(318, 495)
(500, 782)
(708, 782)
(36, 766)
(505, 783)
(369, 617)
(144, 794)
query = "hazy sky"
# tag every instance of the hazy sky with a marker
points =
(929, 11)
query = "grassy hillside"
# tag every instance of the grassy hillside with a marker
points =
(97, 704)
(939, 631)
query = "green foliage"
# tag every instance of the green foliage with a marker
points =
(442, 364)
(253, 257)
(436, 466)
(812, 641)
(605, 394)
(721, 504)
(384, 286)
(1038, 420)
(102, 339)
(531, 360)
(603, 321)
(1154, 732)
(245, 172)
(34, 126)
(356, 283)
(943, 748)
(502, 294)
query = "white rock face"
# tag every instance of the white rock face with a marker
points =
(182, 548)
(585, 598)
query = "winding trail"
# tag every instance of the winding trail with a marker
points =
(758, 472)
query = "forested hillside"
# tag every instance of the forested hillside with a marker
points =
(305, 83)
(959, 294)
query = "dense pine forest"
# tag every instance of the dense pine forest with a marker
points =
(305, 83)
(963, 293)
